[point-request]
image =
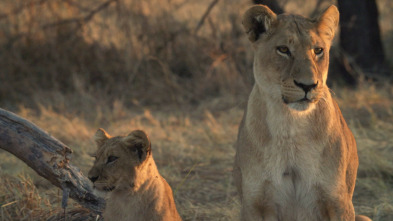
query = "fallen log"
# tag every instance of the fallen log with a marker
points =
(49, 157)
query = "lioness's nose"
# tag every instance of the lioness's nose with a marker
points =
(306, 87)
(93, 178)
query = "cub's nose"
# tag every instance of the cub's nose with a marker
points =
(306, 87)
(93, 178)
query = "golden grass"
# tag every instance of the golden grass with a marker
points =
(194, 151)
(140, 64)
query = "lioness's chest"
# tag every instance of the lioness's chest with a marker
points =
(288, 178)
(288, 165)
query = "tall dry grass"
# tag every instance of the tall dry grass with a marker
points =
(134, 51)
(74, 66)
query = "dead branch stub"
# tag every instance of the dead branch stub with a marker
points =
(48, 157)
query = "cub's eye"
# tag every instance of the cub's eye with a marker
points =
(111, 159)
(318, 51)
(283, 50)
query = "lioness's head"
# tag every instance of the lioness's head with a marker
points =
(291, 54)
(118, 158)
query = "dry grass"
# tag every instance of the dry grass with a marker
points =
(131, 51)
(369, 112)
(140, 64)
(194, 152)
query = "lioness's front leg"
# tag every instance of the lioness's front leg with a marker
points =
(257, 201)
(336, 205)
(254, 210)
(341, 211)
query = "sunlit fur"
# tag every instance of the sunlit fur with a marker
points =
(296, 159)
(125, 170)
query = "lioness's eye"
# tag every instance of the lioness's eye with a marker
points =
(318, 51)
(283, 49)
(111, 159)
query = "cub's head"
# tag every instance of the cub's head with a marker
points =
(118, 159)
(291, 54)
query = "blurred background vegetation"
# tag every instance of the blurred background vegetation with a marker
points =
(161, 52)
(182, 71)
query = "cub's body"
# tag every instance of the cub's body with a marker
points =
(152, 201)
(126, 171)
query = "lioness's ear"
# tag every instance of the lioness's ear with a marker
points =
(138, 142)
(101, 136)
(328, 22)
(258, 20)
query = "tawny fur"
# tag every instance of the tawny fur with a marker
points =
(296, 158)
(125, 169)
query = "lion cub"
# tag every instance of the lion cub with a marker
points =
(125, 169)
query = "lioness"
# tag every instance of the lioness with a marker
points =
(296, 158)
(125, 169)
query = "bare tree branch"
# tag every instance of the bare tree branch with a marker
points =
(48, 157)
(81, 20)
(202, 20)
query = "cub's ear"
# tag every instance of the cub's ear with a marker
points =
(138, 141)
(258, 20)
(101, 136)
(328, 22)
